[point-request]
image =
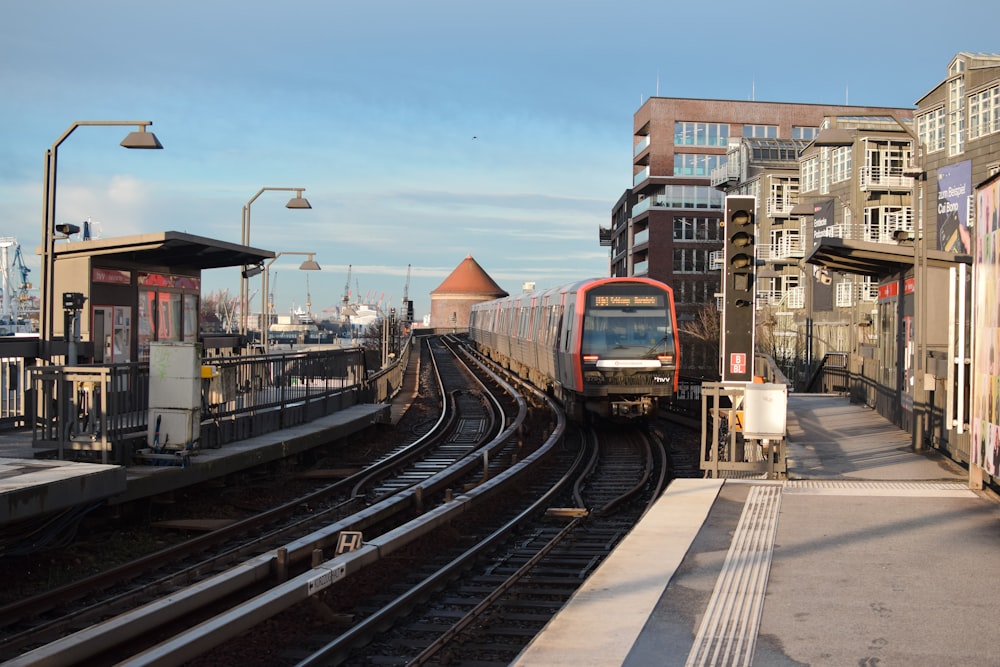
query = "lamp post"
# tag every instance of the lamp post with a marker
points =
(265, 302)
(917, 171)
(140, 138)
(298, 201)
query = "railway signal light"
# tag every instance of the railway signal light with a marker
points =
(738, 314)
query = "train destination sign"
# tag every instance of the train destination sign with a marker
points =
(627, 300)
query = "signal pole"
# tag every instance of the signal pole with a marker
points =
(738, 291)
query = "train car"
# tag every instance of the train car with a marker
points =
(605, 346)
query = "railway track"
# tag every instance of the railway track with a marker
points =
(484, 605)
(201, 585)
(536, 536)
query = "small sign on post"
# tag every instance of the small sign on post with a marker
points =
(737, 363)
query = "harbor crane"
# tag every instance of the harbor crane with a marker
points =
(346, 311)
(407, 304)
(347, 287)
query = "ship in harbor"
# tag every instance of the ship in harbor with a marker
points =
(296, 328)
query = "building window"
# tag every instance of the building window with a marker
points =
(931, 130)
(701, 134)
(984, 112)
(682, 196)
(774, 150)
(690, 164)
(824, 171)
(696, 229)
(840, 164)
(690, 260)
(810, 175)
(802, 132)
(881, 222)
(784, 193)
(761, 131)
(956, 116)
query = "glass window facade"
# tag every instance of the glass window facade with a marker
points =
(701, 134)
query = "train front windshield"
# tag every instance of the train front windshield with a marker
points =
(630, 324)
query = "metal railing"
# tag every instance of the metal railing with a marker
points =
(726, 449)
(101, 412)
(12, 392)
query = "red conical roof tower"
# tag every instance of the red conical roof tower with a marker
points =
(453, 299)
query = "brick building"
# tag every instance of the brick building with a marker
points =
(666, 226)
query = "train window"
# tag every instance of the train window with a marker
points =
(633, 325)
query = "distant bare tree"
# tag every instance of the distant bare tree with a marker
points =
(699, 341)
(705, 325)
(217, 311)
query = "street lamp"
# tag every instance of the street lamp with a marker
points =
(918, 172)
(137, 139)
(298, 201)
(265, 302)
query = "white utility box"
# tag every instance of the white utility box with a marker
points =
(174, 394)
(765, 409)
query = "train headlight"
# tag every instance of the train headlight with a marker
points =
(590, 358)
(665, 358)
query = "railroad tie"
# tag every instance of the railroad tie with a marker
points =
(728, 632)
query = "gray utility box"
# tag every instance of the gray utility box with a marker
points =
(174, 394)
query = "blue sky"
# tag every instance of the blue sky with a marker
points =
(422, 132)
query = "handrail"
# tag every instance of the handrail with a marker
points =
(101, 412)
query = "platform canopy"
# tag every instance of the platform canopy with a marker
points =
(167, 249)
(874, 259)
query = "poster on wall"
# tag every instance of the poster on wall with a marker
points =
(953, 199)
(985, 418)
(823, 225)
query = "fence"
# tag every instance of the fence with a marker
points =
(743, 430)
(12, 392)
(100, 413)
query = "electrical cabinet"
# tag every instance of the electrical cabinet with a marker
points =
(174, 394)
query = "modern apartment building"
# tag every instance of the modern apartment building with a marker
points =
(667, 225)
(898, 205)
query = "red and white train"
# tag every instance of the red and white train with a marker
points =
(606, 346)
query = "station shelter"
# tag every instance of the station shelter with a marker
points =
(916, 374)
(128, 292)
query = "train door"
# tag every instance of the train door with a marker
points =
(567, 340)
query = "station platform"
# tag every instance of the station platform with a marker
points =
(870, 553)
(32, 487)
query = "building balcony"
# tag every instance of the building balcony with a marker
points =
(781, 300)
(716, 260)
(883, 178)
(640, 268)
(780, 207)
(789, 248)
(605, 234)
(838, 231)
(641, 146)
(726, 174)
(641, 237)
(642, 175)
